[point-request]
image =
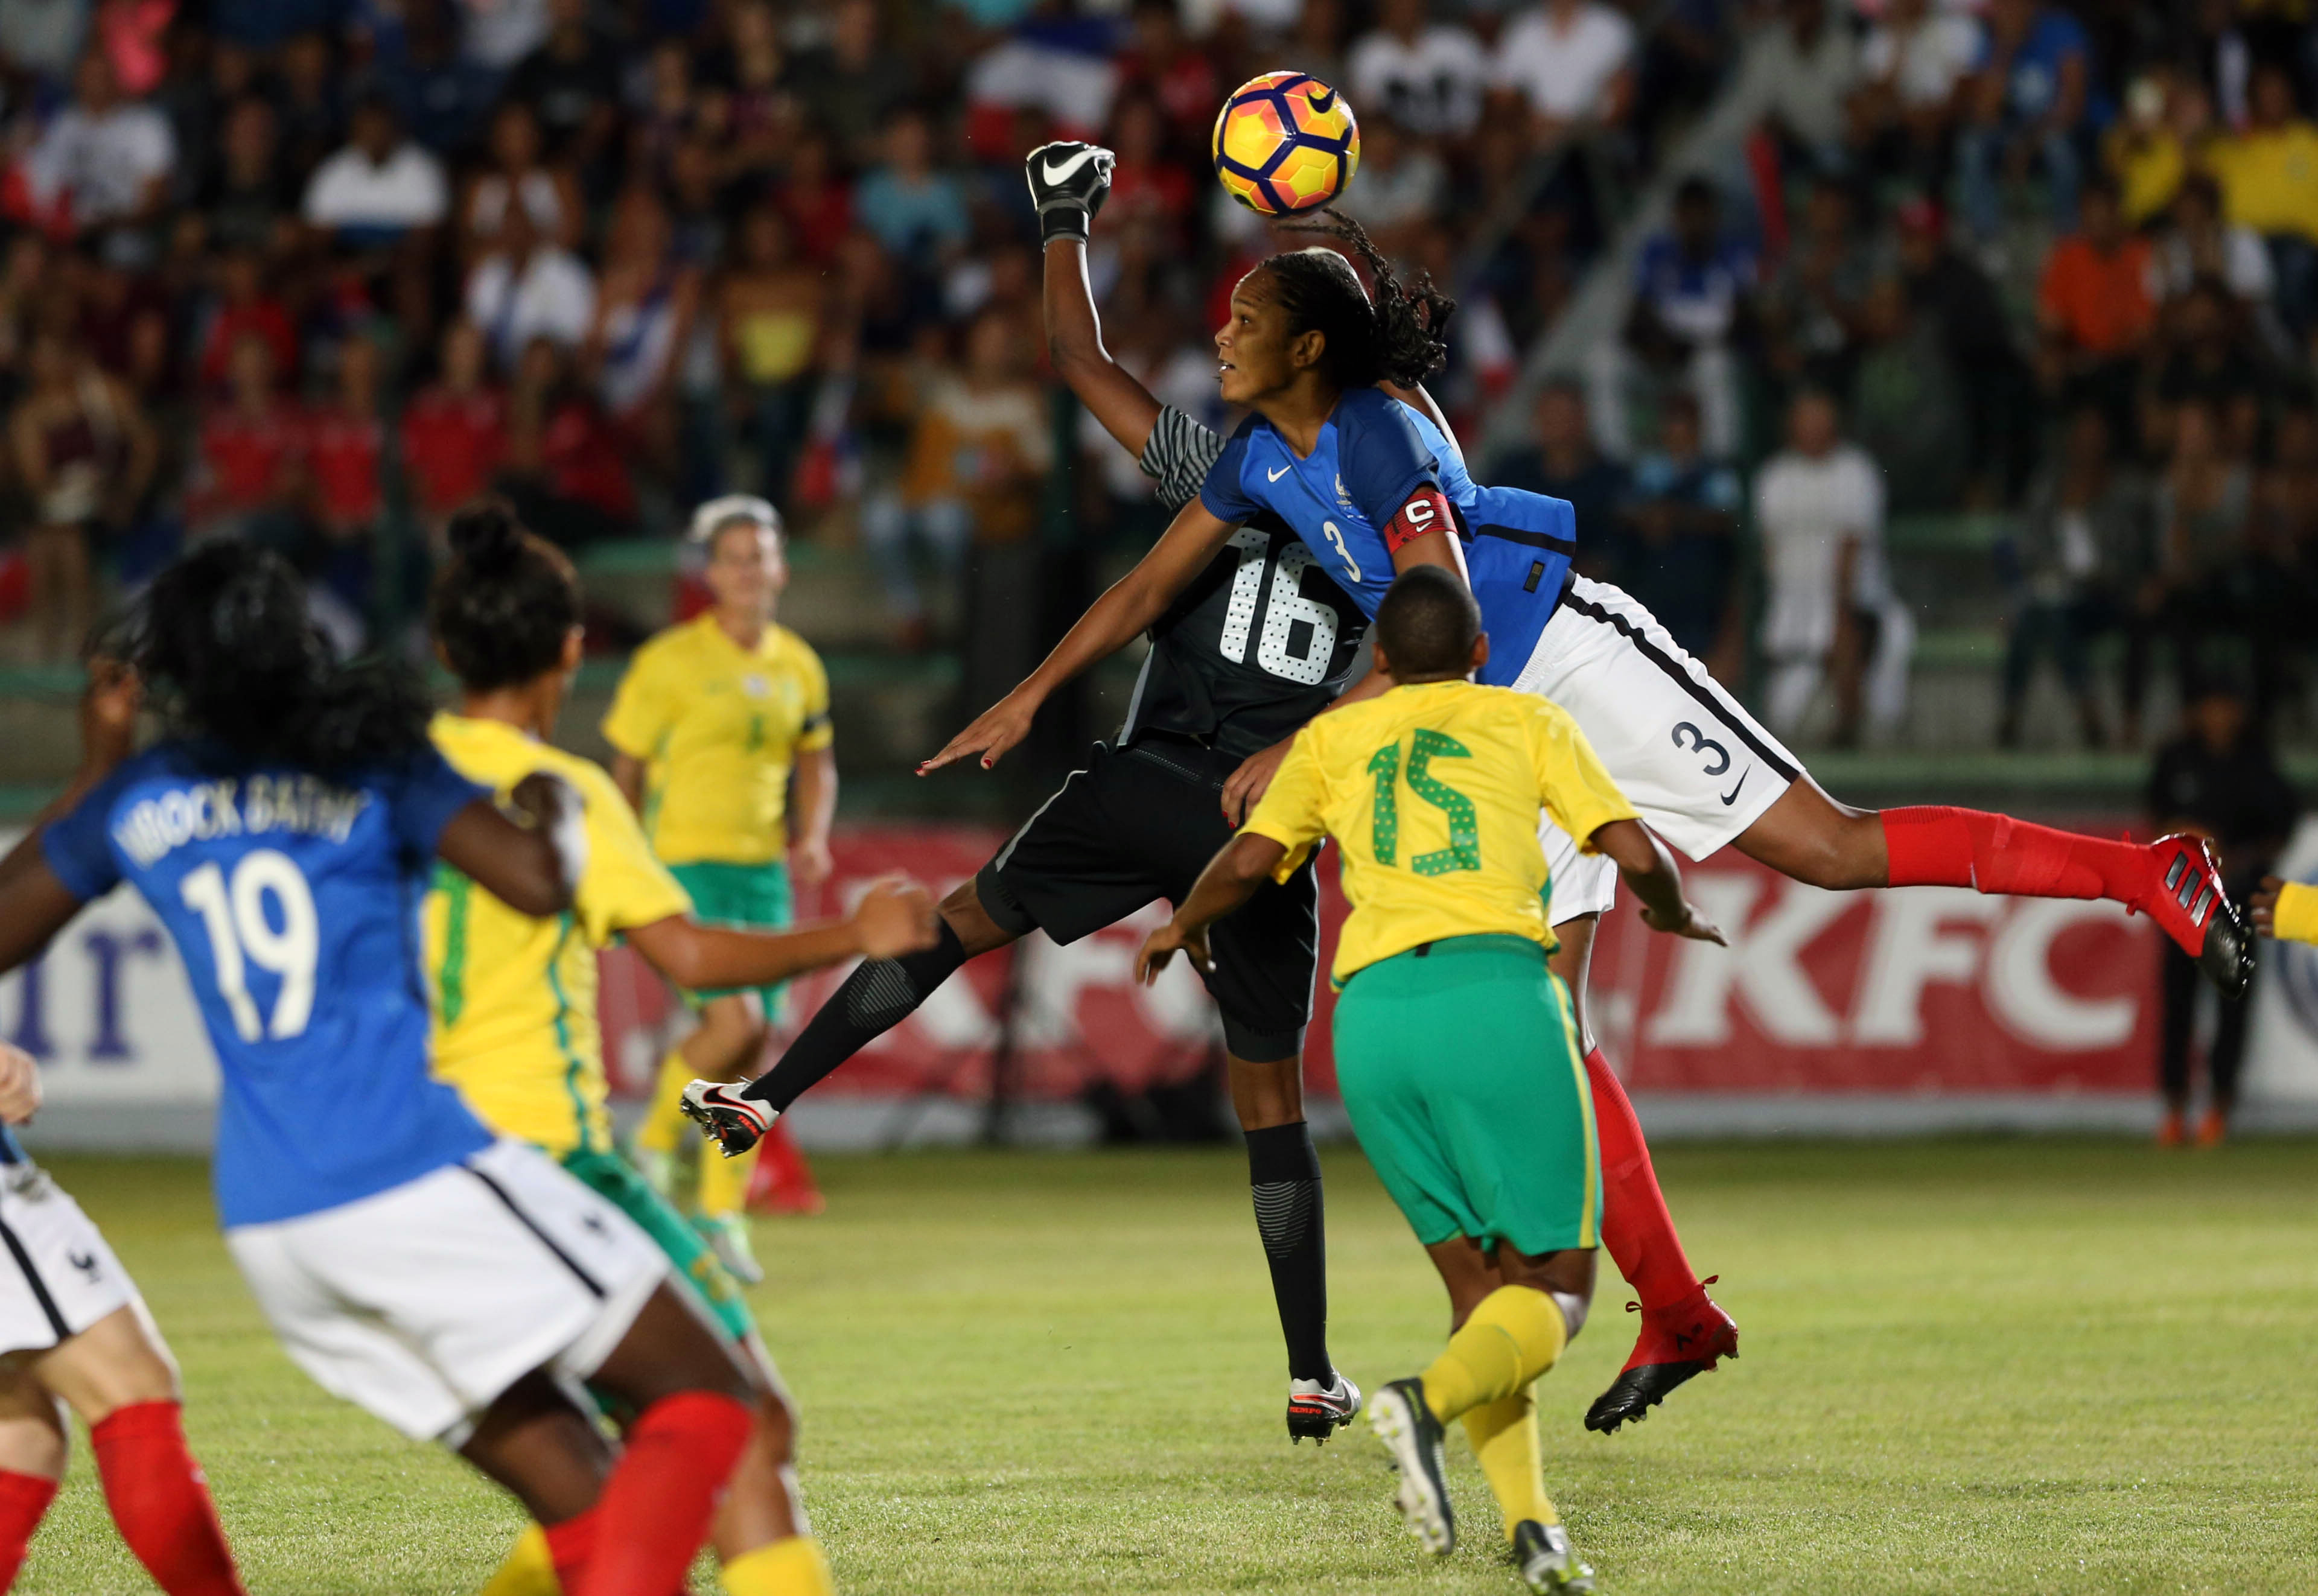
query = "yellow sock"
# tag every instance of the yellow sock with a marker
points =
(791, 1567)
(1503, 1434)
(528, 1570)
(1513, 1337)
(663, 1130)
(724, 1181)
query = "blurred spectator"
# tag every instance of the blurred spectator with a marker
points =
(2206, 357)
(527, 289)
(1819, 510)
(249, 203)
(2143, 151)
(1915, 65)
(2203, 508)
(501, 32)
(102, 167)
(2084, 559)
(1572, 64)
(2029, 106)
(755, 114)
(851, 85)
(2217, 779)
(455, 430)
(1680, 552)
(1960, 302)
(566, 471)
(1147, 189)
(1427, 76)
(2268, 172)
(2097, 303)
(1566, 464)
(439, 96)
(381, 187)
(517, 175)
(309, 102)
(346, 449)
(2198, 243)
(770, 314)
(86, 456)
(1810, 308)
(571, 83)
(43, 38)
(250, 479)
(1404, 186)
(1907, 404)
(1162, 63)
(1694, 287)
(979, 439)
(1796, 74)
(645, 308)
(815, 200)
(911, 208)
(244, 309)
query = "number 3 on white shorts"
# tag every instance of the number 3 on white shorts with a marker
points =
(238, 925)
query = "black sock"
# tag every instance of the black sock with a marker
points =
(875, 999)
(1285, 1172)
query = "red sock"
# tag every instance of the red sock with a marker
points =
(1636, 1227)
(1994, 853)
(656, 1507)
(569, 1545)
(24, 1498)
(160, 1504)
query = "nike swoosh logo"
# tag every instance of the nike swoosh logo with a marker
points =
(1275, 476)
(1321, 100)
(1731, 796)
(1055, 174)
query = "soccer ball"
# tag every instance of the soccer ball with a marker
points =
(1285, 142)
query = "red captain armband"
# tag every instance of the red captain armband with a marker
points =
(1427, 510)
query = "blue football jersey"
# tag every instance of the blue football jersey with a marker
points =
(1373, 452)
(294, 904)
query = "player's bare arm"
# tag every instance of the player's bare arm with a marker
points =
(1068, 183)
(1231, 878)
(628, 775)
(1123, 614)
(893, 917)
(1649, 870)
(813, 805)
(533, 868)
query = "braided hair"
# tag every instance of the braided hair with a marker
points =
(1397, 338)
(237, 668)
(503, 604)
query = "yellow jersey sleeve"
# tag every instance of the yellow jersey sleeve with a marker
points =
(817, 732)
(643, 708)
(1575, 789)
(624, 885)
(2296, 915)
(1293, 812)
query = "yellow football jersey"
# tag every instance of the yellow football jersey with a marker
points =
(718, 728)
(515, 996)
(1433, 792)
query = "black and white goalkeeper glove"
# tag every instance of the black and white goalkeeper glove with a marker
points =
(731, 1121)
(1069, 182)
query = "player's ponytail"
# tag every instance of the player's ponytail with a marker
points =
(237, 668)
(1397, 338)
(503, 604)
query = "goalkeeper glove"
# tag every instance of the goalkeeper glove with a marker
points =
(1068, 183)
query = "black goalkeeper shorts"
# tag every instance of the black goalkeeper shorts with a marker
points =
(1140, 823)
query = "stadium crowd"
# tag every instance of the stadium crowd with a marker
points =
(315, 272)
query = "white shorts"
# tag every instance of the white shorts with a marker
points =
(1695, 764)
(58, 1278)
(424, 1303)
(1581, 884)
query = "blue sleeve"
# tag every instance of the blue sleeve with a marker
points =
(1385, 458)
(1221, 494)
(421, 796)
(78, 844)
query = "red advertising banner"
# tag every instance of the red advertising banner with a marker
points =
(1927, 992)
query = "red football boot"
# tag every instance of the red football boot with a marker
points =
(2189, 904)
(1684, 1339)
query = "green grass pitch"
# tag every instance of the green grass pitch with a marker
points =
(1969, 1367)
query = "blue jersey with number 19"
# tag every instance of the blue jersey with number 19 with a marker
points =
(1370, 483)
(294, 904)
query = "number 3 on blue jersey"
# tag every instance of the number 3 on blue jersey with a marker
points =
(1336, 537)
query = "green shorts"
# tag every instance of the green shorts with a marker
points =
(613, 1179)
(746, 897)
(1460, 1068)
